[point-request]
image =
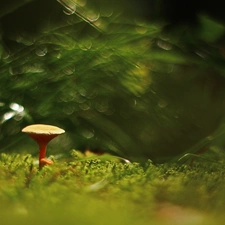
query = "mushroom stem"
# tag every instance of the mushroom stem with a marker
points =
(42, 142)
(42, 153)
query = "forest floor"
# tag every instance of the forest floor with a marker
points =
(82, 189)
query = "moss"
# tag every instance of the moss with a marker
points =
(103, 190)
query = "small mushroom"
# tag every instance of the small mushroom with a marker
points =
(43, 134)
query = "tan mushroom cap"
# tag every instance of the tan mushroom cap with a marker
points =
(42, 129)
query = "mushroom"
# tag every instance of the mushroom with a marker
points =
(43, 134)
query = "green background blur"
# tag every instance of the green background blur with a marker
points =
(111, 77)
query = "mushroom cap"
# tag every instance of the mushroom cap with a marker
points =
(43, 129)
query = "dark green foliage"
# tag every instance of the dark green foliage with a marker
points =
(113, 84)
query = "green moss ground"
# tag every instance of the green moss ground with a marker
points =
(103, 190)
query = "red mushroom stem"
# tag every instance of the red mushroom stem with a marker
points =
(42, 151)
(42, 141)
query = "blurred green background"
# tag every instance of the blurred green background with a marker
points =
(120, 77)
